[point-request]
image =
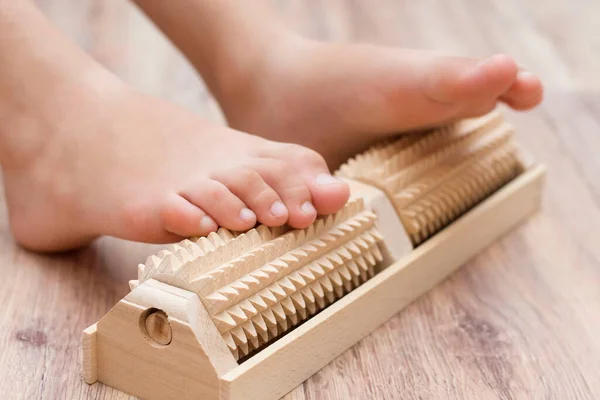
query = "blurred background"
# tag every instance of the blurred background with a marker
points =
(520, 321)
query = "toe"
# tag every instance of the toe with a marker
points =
(185, 219)
(525, 93)
(489, 78)
(464, 81)
(221, 204)
(291, 189)
(249, 186)
(329, 194)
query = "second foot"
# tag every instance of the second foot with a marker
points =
(341, 98)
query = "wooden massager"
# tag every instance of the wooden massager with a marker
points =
(252, 315)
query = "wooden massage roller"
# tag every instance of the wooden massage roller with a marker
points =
(251, 315)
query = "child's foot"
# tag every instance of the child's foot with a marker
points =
(338, 98)
(110, 161)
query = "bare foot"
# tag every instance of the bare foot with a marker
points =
(338, 99)
(107, 160)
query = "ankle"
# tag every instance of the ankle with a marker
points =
(235, 73)
(30, 120)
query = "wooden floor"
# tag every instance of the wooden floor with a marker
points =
(520, 321)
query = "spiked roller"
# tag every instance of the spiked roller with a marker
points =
(251, 315)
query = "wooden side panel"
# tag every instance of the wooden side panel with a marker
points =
(291, 360)
(89, 355)
(129, 360)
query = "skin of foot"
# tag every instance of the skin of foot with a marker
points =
(135, 167)
(339, 99)
(84, 155)
(336, 98)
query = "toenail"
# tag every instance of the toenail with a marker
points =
(526, 75)
(207, 224)
(278, 209)
(326, 179)
(247, 215)
(308, 208)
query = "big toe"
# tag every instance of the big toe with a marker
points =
(469, 84)
(525, 93)
(329, 194)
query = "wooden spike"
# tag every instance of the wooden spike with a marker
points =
(229, 292)
(328, 238)
(225, 234)
(224, 322)
(170, 263)
(251, 334)
(362, 263)
(338, 283)
(326, 264)
(344, 253)
(290, 310)
(306, 274)
(238, 315)
(299, 303)
(248, 308)
(261, 327)
(280, 316)
(346, 277)
(310, 232)
(272, 269)
(352, 246)
(299, 236)
(140, 271)
(287, 285)
(278, 291)
(354, 271)
(240, 339)
(163, 253)
(260, 275)
(231, 344)
(239, 286)
(265, 233)
(296, 280)
(271, 322)
(319, 227)
(300, 252)
(328, 288)
(258, 302)
(369, 257)
(319, 294)
(215, 301)
(316, 269)
(193, 249)
(310, 300)
(377, 253)
(252, 282)
(153, 261)
(335, 259)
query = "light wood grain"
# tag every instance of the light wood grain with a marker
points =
(122, 352)
(327, 335)
(517, 322)
(129, 359)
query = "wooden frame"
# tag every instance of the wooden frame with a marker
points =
(122, 352)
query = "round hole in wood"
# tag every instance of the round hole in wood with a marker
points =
(155, 325)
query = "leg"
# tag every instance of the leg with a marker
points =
(331, 92)
(85, 155)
